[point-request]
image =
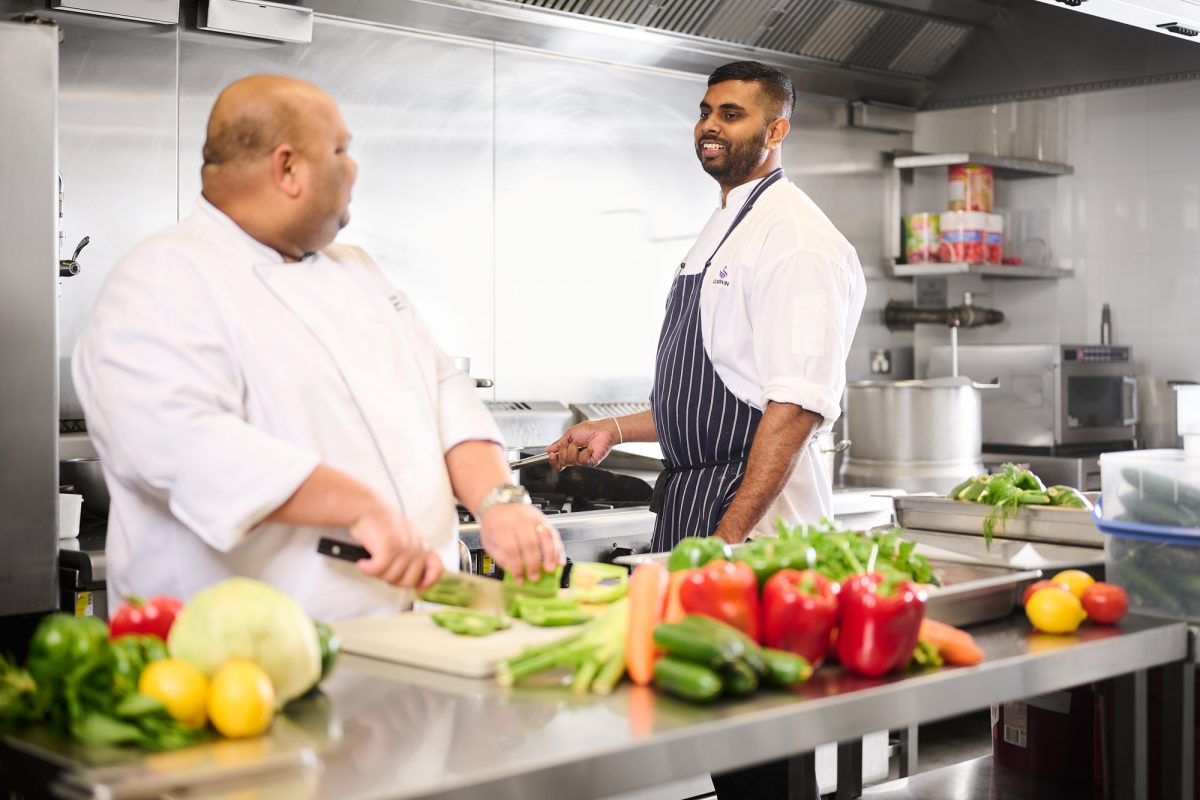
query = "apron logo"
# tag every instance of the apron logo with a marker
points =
(720, 280)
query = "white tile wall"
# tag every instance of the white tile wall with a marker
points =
(1127, 222)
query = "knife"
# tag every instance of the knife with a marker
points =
(489, 593)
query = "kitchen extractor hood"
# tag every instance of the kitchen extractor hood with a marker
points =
(1177, 18)
(914, 54)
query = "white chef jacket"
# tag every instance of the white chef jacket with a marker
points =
(778, 312)
(215, 377)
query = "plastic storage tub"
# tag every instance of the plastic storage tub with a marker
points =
(1151, 487)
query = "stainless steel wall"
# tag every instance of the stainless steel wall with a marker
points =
(532, 205)
(28, 205)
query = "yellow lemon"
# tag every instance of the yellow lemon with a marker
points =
(241, 700)
(179, 686)
(1076, 580)
(1054, 611)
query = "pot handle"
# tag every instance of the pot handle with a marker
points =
(837, 448)
(993, 385)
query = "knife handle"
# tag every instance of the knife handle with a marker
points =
(343, 550)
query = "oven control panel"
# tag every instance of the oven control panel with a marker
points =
(1096, 354)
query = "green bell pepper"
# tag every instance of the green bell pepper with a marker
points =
(695, 551)
(62, 642)
(768, 556)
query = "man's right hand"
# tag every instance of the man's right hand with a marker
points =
(398, 554)
(586, 445)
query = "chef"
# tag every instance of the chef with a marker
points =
(252, 386)
(751, 360)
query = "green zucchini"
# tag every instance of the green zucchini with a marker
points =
(687, 680)
(738, 679)
(724, 633)
(697, 645)
(786, 669)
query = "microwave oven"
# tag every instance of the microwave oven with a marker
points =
(1049, 395)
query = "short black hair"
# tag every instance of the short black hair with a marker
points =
(772, 82)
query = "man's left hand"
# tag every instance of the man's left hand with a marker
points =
(520, 539)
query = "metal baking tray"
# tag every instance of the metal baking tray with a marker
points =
(971, 592)
(1029, 523)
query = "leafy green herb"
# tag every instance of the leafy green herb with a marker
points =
(839, 554)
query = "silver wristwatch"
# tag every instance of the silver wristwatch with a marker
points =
(503, 494)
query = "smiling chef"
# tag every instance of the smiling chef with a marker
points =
(751, 359)
(251, 386)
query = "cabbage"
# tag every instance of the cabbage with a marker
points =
(244, 618)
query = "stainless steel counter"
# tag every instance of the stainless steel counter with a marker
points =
(408, 733)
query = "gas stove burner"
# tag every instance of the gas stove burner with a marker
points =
(551, 503)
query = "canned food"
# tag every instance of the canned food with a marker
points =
(971, 187)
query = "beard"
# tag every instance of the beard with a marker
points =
(740, 161)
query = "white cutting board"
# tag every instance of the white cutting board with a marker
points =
(414, 639)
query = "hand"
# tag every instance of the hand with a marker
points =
(586, 444)
(520, 540)
(398, 553)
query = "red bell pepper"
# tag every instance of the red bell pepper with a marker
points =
(799, 611)
(153, 617)
(879, 624)
(726, 591)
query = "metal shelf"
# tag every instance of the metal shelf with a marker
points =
(1002, 166)
(942, 269)
(979, 779)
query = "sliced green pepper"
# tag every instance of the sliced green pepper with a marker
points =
(449, 590)
(469, 623)
(593, 582)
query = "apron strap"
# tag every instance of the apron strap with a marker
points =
(774, 175)
(669, 469)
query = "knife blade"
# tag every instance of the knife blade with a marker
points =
(488, 594)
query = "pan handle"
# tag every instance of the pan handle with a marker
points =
(540, 458)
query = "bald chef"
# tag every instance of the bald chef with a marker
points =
(251, 386)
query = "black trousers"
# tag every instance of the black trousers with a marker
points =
(760, 782)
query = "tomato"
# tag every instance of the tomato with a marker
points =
(1105, 603)
(1033, 587)
(1076, 579)
(1055, 611)
(153, 617)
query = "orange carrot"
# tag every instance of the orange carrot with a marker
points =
(675, 611)
(955, 646)
(647, 591)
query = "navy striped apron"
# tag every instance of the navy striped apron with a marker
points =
(704, 429)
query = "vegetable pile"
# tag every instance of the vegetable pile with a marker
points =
(161, 671)
(724, 623)
(1011, 488)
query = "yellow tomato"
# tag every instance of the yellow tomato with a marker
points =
(1054, 611)
(179, 686)
(1076, 580)
(241, 700)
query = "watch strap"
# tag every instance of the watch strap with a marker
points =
(504, 494)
